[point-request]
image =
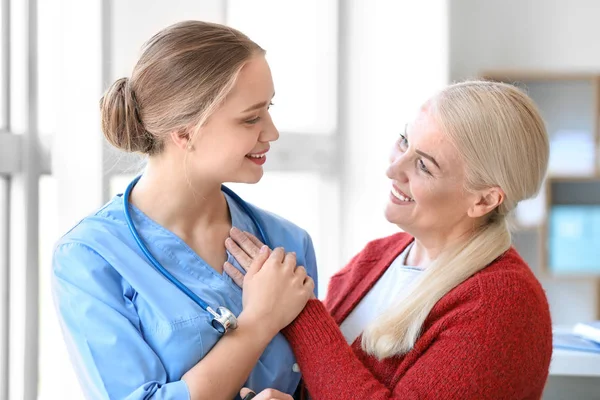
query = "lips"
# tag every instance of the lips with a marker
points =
(258, 158)
(398, 194)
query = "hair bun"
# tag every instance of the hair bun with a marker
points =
(121, 121)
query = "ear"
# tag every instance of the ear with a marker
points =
(487, 201)
(182, 139)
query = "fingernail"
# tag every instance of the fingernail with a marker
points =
(234, 229)
(294, 253)
(264, 249)
(249, 396)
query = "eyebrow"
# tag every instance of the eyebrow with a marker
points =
(430, 158)
(427, 156)
(258, 105)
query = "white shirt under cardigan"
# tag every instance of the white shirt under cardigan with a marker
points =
(385, 293)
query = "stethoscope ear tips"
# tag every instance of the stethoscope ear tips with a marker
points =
(223, 320)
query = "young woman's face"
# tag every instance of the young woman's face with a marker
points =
(232, 146)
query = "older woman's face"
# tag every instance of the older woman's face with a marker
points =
(428, 181)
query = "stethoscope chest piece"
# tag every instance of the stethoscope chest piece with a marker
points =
(223, 320)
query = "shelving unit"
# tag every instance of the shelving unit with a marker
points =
(558, 226)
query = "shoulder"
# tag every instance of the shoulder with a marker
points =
(510, 290)
(506, 303)
(86, 250)
(108, 220)
(508, 282)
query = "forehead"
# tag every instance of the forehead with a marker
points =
(426, 135)
(254, 84)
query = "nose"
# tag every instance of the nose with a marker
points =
(397, 170)
(269, 132)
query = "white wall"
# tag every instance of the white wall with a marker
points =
(135, 21)
(536, 34)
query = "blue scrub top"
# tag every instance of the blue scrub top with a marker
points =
(131, 334)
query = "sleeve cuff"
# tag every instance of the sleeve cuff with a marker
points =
(177, 391)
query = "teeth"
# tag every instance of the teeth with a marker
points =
(400, 196)
(256, 155)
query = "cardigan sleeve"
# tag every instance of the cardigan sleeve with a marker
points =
(496, 350)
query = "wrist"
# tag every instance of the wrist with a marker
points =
(261, 327)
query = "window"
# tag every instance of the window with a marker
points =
(56, 375)
(4, 285)
(4, 78)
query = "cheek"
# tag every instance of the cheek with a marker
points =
(428, 192)
(237, 142)
(441, 202)
(424, 191)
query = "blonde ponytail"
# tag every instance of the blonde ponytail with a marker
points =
(396, 331)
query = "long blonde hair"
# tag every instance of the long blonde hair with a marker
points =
(184, 73)
(503, 142)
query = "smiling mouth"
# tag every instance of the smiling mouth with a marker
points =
(401, 196)
(256, 155)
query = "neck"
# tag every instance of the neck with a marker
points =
(427, 248)
(165, 194)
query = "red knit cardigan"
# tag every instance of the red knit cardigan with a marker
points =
(488, 338)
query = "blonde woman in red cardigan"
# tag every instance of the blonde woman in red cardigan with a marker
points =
(448, 309)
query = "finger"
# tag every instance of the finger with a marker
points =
(290, 260)
(244, 242)
(278, 254)
(234, 273)
(300, 272)
(237, 253)
(244, 392)
(309, 283)
(272, 394)
(254, 239)
(259, 261)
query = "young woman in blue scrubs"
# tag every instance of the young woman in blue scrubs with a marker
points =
(197, 104)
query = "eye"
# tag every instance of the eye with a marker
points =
(423, 168)
(403, 142)
(256, 119)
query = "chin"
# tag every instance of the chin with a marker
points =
(393, 214)
(250, 178)
(400, 218)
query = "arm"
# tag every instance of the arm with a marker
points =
(112, 360)
(490, 351)
(483, 353)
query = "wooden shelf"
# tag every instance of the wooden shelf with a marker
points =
(508, 75)
(578, 94)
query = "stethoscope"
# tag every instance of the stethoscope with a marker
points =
(223, 319)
